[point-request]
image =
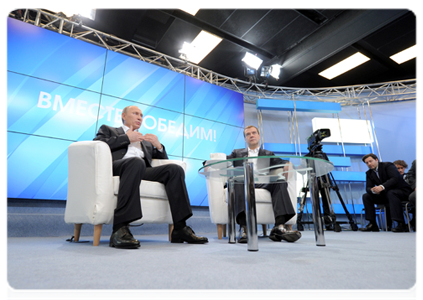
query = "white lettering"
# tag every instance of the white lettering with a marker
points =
(44, 98)
(162, 125)
(80, 107)
(145, 121)
(209, 134)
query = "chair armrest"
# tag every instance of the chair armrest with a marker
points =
(90, 183)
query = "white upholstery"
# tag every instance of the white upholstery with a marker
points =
(92, 189)
(218, 206)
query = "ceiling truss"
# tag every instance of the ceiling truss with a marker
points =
(346, 95)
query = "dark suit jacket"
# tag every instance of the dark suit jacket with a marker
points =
(389, 177)
(118, 142)
(236, 153)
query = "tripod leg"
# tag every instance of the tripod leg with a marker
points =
(350, 219)
(300, 226)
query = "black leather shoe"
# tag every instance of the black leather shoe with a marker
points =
(280, 233)
(242, 239)
(186, 234)
(123, 238)
(400, 228)
(370, 227)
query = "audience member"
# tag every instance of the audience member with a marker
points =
(384, 185)
(401, 166)
(411, 179)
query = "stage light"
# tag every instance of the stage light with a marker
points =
(83, 12)
(200, 47)
(405, 55)
(252, 60)
(345, 65)
(275, 70)
(191, 11)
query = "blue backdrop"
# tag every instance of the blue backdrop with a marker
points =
(60, 90)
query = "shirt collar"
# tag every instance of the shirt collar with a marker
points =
(254, 150)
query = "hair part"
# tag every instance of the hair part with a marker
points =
(369, 155)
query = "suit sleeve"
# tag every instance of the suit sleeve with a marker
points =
(114, 141)
(369, 183)
(411, 175)
(393, 176)
(160, 155)
(232, 155)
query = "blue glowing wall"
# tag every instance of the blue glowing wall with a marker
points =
(60, 90)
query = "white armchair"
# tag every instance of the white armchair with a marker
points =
(93, 190)
(218, 203)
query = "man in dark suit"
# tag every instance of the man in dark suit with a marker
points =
(282, 205)
(132, 153)
(384, 185)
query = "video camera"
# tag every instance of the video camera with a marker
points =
(314, 140)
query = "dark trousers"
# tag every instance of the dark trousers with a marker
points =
(282, 205)
(131, 171)
(391, 199)
(414, 198)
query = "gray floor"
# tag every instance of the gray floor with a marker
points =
(350, 260)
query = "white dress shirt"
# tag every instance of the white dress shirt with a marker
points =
(134, 148)
(252, 153)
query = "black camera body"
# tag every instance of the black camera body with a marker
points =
(314, 140)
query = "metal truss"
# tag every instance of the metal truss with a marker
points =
(346, 95)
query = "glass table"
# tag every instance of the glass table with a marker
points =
(265, 169)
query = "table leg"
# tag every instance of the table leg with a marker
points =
(250, 206)
(317, 219)
(231, 211)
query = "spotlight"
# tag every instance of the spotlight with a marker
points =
(273, 70)
(252, 60)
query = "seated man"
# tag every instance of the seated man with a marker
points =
(132, 153)
(411, 180)
(384, 185)
(401, 166)
(282, 205)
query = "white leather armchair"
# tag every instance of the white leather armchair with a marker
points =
(218, 203)
(93, 190)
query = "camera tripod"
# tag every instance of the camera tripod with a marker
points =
(325, 183)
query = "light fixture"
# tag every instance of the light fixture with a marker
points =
(273, 70)
(191, 11)
(405, 55)
(345, 65)
(202, 45)
(252, 60)
(83, 12)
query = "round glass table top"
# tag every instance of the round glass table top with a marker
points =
(266, 168)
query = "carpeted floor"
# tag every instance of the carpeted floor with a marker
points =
(357, 261)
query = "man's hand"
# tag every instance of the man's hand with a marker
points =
(152, 138)
(377, 189)
(134, 136)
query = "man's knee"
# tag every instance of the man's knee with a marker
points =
(136, 163)
(176, 170)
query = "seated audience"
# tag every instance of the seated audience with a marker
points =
(384, 185)
(411, 180)
(401, 166)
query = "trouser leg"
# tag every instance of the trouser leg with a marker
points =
(173, 178)
(130, 172)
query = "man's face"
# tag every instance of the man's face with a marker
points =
(252, 137)
(132, 117)
(371, 163)
(401, 169)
